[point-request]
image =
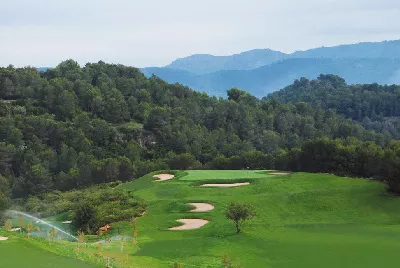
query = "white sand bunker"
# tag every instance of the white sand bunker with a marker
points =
(189, 224)
(15, 229)
(201, 207)
(3, 238)
(164, 177)
(279, 173)
(225, 185)
(67, 222)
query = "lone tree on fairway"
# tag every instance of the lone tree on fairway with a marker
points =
(239, 213)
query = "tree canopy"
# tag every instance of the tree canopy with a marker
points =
(239, 213)
(71, 126)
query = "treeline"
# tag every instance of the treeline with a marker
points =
(345, 157)
(377, 107)
(70, 127)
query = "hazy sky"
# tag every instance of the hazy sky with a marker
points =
(155, 32)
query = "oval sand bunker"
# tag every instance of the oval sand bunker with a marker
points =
(225, 185)
(201, 207)
(189, 224)
(164, 177)
(3, 238)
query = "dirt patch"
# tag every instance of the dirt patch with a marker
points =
(189, 224)
(164, 177)
(225, 185)
(3, 238)
(201, 207)
(279, 173)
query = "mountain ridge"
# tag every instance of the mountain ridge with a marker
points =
(262, 71)
(207, 63)
(266, 79)
(193, 63)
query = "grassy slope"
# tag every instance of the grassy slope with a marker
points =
(304, 220)
(18, 252)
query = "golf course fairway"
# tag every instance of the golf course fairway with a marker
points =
(303, 220)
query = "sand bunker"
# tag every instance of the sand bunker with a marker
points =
(67, 222)
(189, 224)
(225, 185)
(201, 207)
(279, 173)
(164, 177)
(15, 229)
(3, 238)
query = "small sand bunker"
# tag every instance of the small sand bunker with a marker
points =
(164, 177)
(189, 224)
(67, 222)
(15, 229)
(279, 173)
(201, 207)
(225, 185)
(3, 238)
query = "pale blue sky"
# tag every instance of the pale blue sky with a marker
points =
(155, 32)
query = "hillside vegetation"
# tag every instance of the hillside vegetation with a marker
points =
(376, 107)
(88, 209)
(71, 127)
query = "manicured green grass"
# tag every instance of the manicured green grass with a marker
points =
(303, 220)
(21, 253)
(199, 175)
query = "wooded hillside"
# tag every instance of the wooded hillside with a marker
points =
(70, 127)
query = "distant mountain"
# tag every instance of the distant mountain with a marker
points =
(203, 63)
(263, 71)
(273, 77)
(43, 69)
(385, 49)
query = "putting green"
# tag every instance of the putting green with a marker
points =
(199, 175)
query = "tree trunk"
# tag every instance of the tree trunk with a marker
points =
(237, 227)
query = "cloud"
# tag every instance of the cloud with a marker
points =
(154, 32)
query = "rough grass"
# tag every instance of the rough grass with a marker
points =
(19, 252)
(303, 220)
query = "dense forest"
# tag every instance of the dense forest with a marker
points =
(70, 127)
(376, 107)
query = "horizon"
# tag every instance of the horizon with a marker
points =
(287, 53)
(205, 54)
(44, 32)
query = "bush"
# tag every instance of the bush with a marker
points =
(91, 208)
